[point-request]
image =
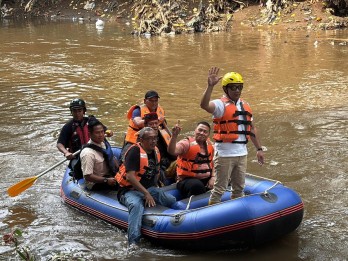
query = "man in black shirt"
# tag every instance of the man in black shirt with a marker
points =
(138, 181)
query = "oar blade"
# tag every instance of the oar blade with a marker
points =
(18, 188)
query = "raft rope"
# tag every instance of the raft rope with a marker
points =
(189, 203)
(187, 210)
(276, 181)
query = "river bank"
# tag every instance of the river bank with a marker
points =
(307, 15)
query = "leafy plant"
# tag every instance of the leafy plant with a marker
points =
(23, 252)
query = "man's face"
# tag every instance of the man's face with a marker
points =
(98, 134)
(149, 140)
(202, 133)
(77, 113)
(233, 90)
(151, 103)
(153, 124)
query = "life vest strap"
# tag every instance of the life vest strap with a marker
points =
(195, 161)
(237, 113)
(239, 122)
(197, 171)
(236, 132)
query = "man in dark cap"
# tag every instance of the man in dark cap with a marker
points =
(75, 133)
(136, 115)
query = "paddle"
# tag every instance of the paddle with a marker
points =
(18, 188)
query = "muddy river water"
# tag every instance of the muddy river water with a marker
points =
(296, 83)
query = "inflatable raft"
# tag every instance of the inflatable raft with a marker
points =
(268, 211)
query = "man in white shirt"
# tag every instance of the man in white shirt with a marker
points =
(233, 127)
(97, 159)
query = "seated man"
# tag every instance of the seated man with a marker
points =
(137, 178)
(97, 159)
(194, 163)
(151, 120)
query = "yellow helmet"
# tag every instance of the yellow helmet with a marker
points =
(231, 77)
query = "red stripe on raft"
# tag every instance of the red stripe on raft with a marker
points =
(229, 228)
(196, 235)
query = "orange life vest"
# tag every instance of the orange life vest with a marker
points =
(132, 128)
(144, 163)
(188, 163)
(226, 127)
(165, 135)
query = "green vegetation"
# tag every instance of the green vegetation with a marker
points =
(13, 238)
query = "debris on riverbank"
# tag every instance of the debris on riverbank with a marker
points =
(158, 17)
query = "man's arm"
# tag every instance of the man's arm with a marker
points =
(172, 148)
(255, 140)
(98, 179)
(149, 201)
(65, 151)
(63, 140)
(213, 79)
(136, 118)
(87, 166)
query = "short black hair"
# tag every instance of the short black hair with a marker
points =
(150, 117)
(204, 123)
(92, 122)
(151, 94)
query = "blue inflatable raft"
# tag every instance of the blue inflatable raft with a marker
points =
(268, 211)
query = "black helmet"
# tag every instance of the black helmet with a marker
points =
(77, 104)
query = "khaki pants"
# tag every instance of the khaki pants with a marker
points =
(228, 170)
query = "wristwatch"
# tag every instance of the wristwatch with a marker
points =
(105, 180)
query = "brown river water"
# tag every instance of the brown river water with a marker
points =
(296, 83)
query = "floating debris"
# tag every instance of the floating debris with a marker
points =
(99, 23)
(89, 5)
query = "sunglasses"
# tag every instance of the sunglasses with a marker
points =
(235, 87)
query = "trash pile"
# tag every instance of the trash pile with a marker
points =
(158, 17)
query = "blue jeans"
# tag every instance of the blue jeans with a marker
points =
(134, 201)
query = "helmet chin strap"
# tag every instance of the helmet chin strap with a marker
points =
(226, 93)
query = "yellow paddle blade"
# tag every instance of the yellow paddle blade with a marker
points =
(21, 186)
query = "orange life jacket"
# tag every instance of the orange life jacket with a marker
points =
(188, 163)
(165, 135)
(132, 128)
(144, 163)
(226, 127)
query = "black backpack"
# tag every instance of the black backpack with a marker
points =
(75, 164)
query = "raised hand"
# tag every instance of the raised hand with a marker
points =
(176, 129)
(213, 77)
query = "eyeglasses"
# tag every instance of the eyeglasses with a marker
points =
(151, 138)
(234, 87)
